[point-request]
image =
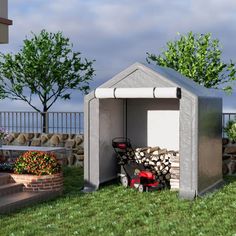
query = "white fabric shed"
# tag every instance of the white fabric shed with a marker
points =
(154, 106)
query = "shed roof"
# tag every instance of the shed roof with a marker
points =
(167, 75)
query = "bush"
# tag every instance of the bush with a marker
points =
(37, 163)
(230, 130)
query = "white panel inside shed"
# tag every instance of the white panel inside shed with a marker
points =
(163, 129)
(137, 118)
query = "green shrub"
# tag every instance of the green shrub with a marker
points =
(230, 130)
(37, 163)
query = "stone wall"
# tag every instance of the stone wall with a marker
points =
(229, 157)
(72, 142)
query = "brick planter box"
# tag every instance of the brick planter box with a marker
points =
(34, 183)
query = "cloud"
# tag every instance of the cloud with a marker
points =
(118, 33)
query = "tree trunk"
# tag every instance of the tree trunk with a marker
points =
(45, 121)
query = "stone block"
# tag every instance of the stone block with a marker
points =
(50, 135)
(78, 140)
(37, 135)
(79, 151)
(70, 143)
(54, 141)
(15, 135)
(70, 160)
(36, 142)
(29, 135)
(71, 136)
(21, 139)
(10, 138)
(63, 137)
(44, 139)
(230, 149)
(79, 157)
(79, 160)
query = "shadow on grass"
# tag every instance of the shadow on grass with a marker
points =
(229, 179)
(73, 180)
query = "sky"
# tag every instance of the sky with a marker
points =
(119, 33)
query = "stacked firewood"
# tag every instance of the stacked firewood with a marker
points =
(174, 171)
(159, 161)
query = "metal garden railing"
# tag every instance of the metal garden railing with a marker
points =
(225, 118)
(57, 122)
(32, 122)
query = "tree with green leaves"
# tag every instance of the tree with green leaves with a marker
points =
(198, 57)
(46, 68)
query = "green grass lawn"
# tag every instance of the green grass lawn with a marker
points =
(114, 210)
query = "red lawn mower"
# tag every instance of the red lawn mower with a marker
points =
(132, 173)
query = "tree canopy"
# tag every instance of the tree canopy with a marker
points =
(198, 57)
(45, 68)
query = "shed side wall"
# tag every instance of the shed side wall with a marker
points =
(91, 142)
(210, 135)
(188, 145)
(111, 125)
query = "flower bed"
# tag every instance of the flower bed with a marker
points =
(35, 183)
(37, 163)
(38, 171)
